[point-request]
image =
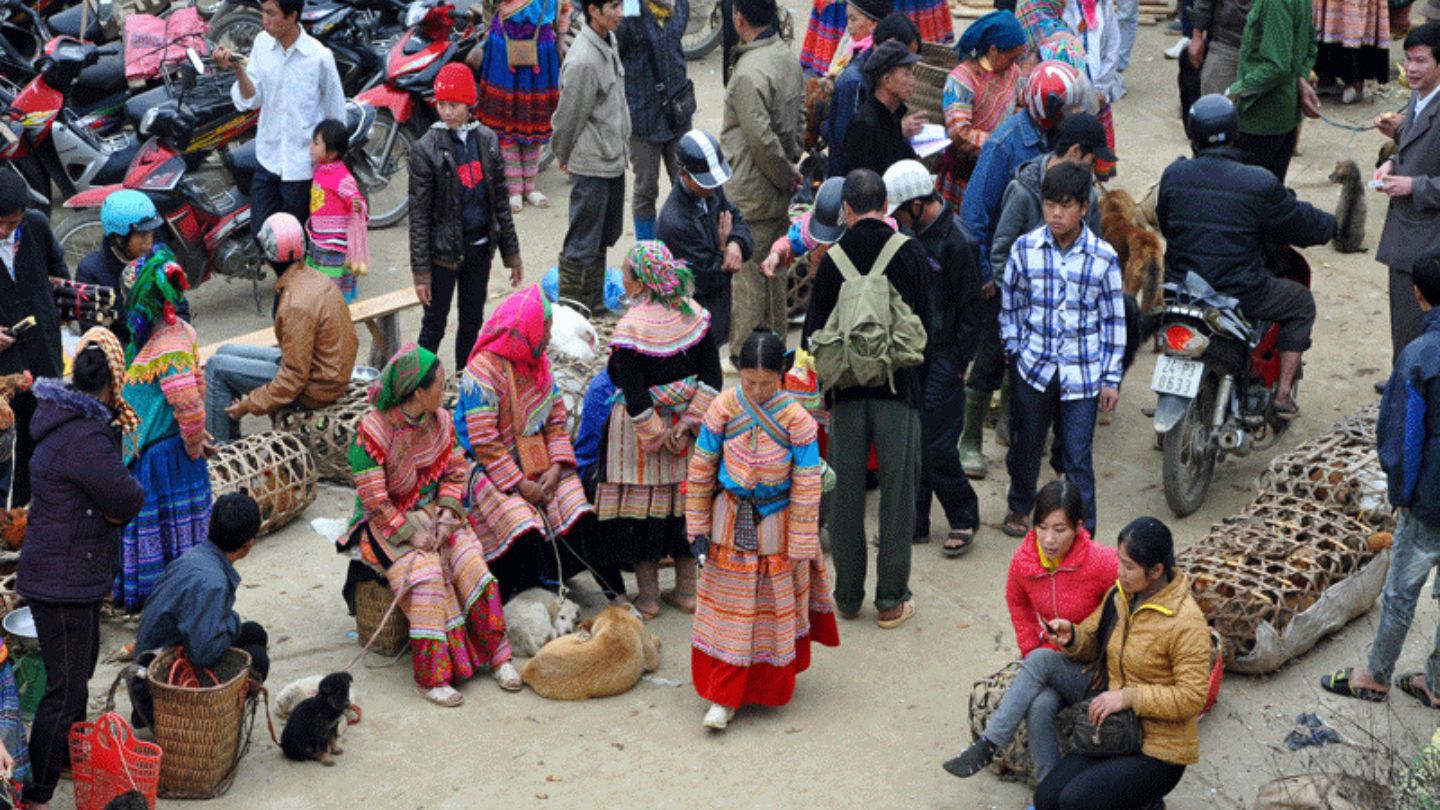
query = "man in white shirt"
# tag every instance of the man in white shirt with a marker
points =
(291, 79)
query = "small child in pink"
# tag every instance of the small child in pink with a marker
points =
(339, 216)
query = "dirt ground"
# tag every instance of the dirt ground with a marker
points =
(872, 720)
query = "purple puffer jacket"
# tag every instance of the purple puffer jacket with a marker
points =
(71, 552)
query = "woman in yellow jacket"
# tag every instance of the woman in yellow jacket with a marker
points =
(1156, 663)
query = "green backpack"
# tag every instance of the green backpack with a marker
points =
(871, 332)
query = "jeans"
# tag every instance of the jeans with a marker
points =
(70, 647)
(1271, 152)
(1127, 16)
(1117, 783)
(1416, 552)
(1047, 683)
(233, 372)
(252, 638)
(472, 278)
(1031, 413)
(894, 429)
(647, 158)
(940, 426)
(269, 194)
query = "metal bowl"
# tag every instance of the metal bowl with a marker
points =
(20, 623)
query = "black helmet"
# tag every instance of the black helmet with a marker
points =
(1212, 122)
(701, 158)
(827, 221)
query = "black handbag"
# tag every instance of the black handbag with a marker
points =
(678, 105)
(1118, 735)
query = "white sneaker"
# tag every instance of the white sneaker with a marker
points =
(507, 677)
(1174, 51)
(718, 717)
(517, 203)
(1351, 95)
(537, 199)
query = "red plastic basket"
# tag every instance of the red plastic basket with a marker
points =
(107, 761)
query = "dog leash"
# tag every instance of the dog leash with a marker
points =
(1348, 127)
(390, 611)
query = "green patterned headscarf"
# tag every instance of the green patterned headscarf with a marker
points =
(401, 376)
(667, 280)
(154, 285)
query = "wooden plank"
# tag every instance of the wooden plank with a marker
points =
(382, 305)
(381, 309)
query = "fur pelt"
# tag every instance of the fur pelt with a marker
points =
(606, 657)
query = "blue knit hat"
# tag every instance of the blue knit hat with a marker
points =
(998, 28)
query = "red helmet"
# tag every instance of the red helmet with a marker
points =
(1051, 88)
(281, 238)
(456, 83)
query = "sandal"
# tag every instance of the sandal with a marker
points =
(442, 696)
(1339, 684)
(1288, 412)
(907, 612)
(507, 677)
(958, 542)
(1407, 685)
(1015, 525)
(646, 613)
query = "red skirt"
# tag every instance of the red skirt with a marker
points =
(760, 684)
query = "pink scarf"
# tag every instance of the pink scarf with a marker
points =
(516, 331)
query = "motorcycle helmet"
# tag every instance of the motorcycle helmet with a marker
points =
(701, 158)
(907, 180)
(1212, 121)
(281, 239)
(128, 210)
(1051, 89)
(827, 221)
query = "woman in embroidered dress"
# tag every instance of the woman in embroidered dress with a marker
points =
(167, 453)
(753, 503)
(979, 93)
(409, 523)
(529, 483)
(1354, 44)
(339, 244)
(666, 366)
(520, 86)
(822, 36)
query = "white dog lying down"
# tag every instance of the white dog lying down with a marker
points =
(307, 687)
(536, 616)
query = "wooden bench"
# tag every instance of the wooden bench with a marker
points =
(379, 314)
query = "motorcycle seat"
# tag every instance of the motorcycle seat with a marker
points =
(137, 105)
(67, 23)
(106, 75)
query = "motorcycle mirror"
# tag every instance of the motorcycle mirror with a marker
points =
(195, 61)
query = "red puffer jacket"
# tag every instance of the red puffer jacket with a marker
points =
(1072, 591)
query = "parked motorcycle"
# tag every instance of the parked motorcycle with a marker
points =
(97, 94)
(357, 32)
(1215, 382)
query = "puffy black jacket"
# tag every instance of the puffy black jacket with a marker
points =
(38, 258)
(77, 480)
(436, 231)
(644, 46)
(1217, 214)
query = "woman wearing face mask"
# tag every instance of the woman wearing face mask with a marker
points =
(752, 509)
(1057, 572)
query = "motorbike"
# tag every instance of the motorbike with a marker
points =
(207, 219)
(357, 32)
(97, 95)
(1215, 382)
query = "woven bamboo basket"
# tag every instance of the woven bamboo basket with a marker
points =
(275, 467)
(372, 599)
(929, 94)
(200, 730)
(329, 431)
(1012, 763)
(940, 55)
(1340, 469)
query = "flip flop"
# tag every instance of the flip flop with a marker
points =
(1015, 525)
(907, 611)
(958, 542)
(1339, 684)
(1407, 685)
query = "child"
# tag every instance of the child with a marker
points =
(459, 214)
(339, 246)
(14, 755)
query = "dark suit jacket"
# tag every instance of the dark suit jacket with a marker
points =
(39, 257)
(1410, 223)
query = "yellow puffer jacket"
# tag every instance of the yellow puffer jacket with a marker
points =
(1159, 656)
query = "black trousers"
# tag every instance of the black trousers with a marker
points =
(472, 279)
(70, 647)
(988, 371)
(1079, 782)
(712, 291)
(252, 638)
(1272, 152)
(941, 423)
(24, 407)
(269, 194)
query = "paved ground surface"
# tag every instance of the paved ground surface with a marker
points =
(871, 722)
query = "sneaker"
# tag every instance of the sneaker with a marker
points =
(718, 718)
(1174, 51)
(1352, 95)
(972, 760)
(517, 203)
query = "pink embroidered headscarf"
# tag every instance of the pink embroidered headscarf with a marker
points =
(516, 332)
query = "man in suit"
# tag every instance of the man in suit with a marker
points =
(1411, 178)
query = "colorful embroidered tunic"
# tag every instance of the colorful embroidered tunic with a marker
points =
(763, 597)
(976, 100)
(822, 36)
(334, 227)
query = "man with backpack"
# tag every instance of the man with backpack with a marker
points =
(869, 343)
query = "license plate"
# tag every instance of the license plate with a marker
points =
(1178, 376)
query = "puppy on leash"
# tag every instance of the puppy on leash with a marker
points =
(313, 730)
(299, 689)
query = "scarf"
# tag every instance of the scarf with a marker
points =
(125, 415)
(667, 320)
(1063, 46)
(518, 331)
(998, 29)
(401, 376)
(154, 286)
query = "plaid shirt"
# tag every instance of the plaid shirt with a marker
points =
(1064, 313)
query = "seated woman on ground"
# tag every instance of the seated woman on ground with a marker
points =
(1057, 572)
(409, 523)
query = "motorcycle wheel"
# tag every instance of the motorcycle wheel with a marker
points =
(704, 30)
(380, 169)
(1189, 454)
(79, 235)
(236, 28)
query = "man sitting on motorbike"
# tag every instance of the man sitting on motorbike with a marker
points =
(1218, 215)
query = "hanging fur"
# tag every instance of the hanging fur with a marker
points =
(1350, 211)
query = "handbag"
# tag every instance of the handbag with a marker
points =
(678, 106)
(522, 52)
(534, 457)
(1118, 735)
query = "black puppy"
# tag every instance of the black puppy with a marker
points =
(313, 728)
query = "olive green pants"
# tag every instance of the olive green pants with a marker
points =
(758, 299)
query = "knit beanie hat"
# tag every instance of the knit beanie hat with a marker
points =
(874, 9)
(456, 83)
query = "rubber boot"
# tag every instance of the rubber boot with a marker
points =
(972, 435)
(644, 229)
(572, 279)
(595, 287)
(1002, 419)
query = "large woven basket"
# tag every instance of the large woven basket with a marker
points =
(372, 599)
(199, 729)
(329, 431)
(940, 55)
(929, 94)
(275, 467)
(1012, 763)
(1340, 469)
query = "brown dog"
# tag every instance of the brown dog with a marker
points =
(1350, 211)
(1141, 256)
(605, 658)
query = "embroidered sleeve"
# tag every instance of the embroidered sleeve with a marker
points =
(803, 526)
(480, 403)
(557, 436)
(386, 521)
(184, 390)
(959, 106)
(704, 467)
(699, 406)
(650, 430)
(452, 485)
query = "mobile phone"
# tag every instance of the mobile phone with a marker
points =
(1376, 184)
(22, 326)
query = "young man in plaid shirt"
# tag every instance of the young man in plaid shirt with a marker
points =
(1062, 321)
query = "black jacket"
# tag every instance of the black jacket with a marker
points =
(687, 225)
(1221, 20)
(77, 479)
(38, 258)
(954, 283)
(874, 140)
(909, 274)
(1217, 214)
(644, 45)
(436, 232)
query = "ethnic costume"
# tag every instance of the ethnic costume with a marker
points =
(520, 84)
(976, 99)
(339, 245)
(754, 490)
(1354, 40)
(822, 36)
(507, 383)
(165, 386)
(406, 474)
